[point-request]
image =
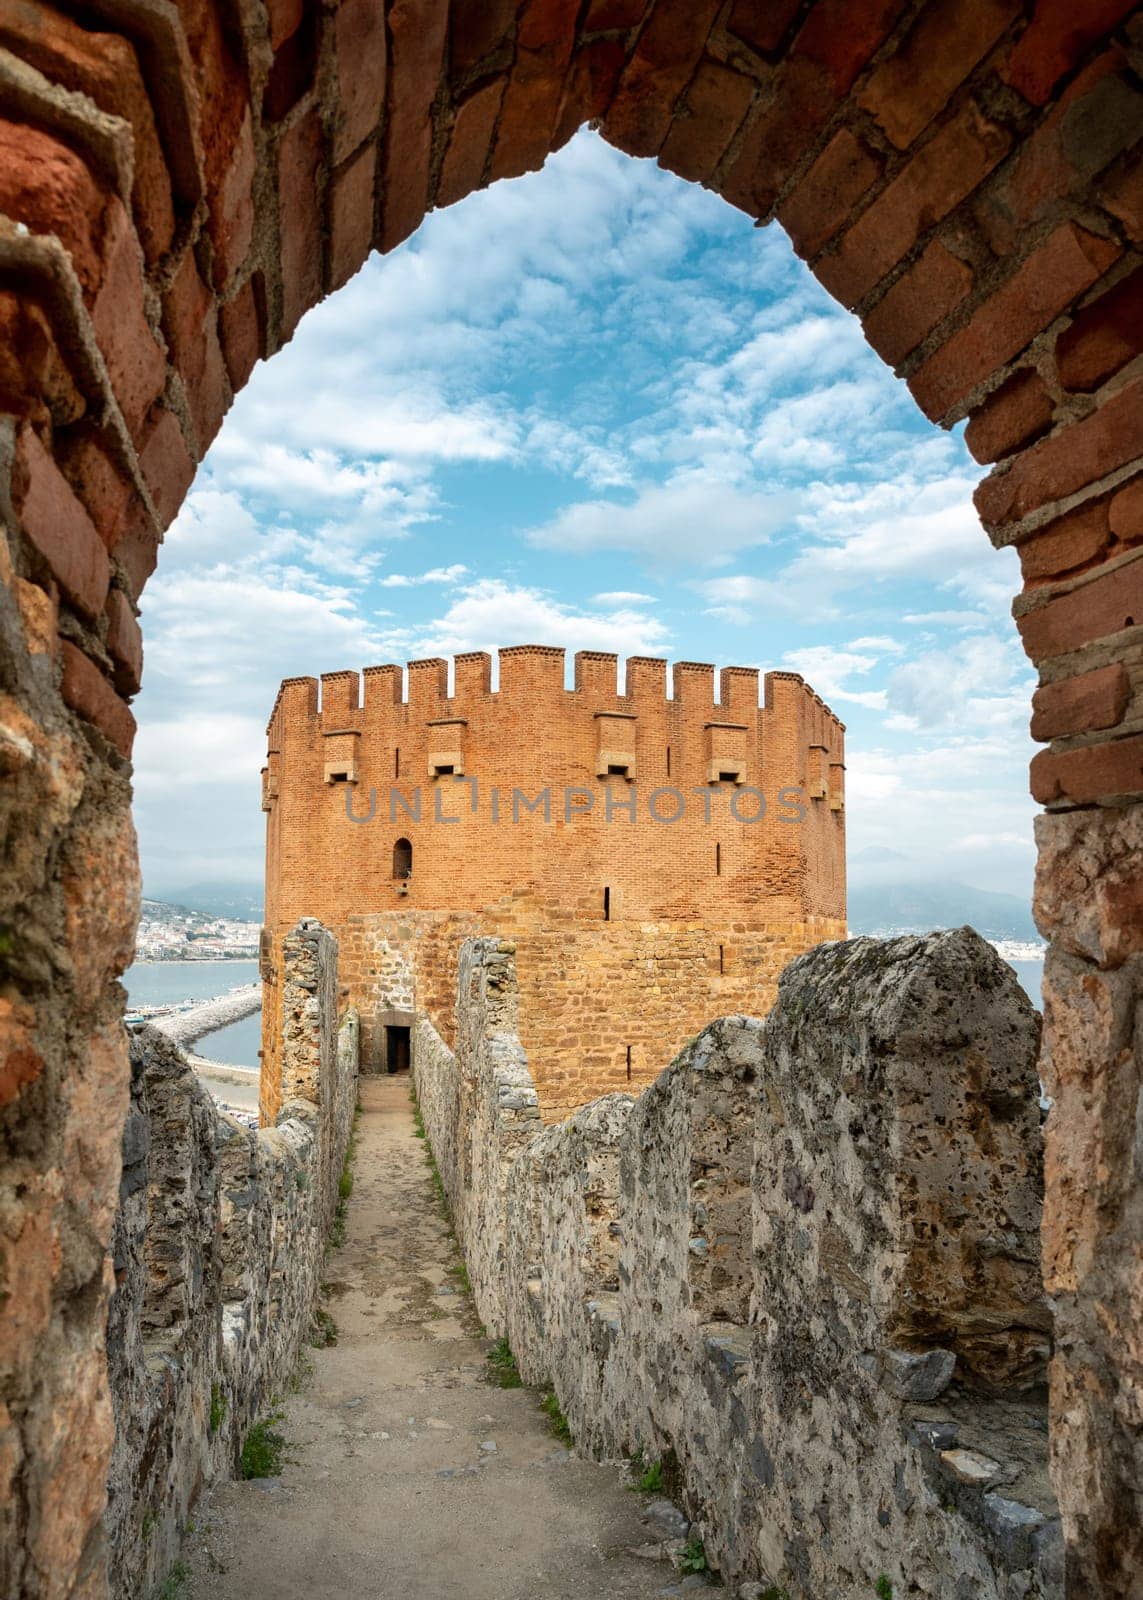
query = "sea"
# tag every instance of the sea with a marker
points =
(158, 983)
(1031, 976)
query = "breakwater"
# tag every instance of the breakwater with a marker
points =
(188, 1023)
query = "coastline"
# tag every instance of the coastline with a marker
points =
(187, 1025)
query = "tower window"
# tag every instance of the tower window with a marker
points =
(614, 770)
(397, 762)
(728, 777)
(403, 859)
(722, 958)
(668, 761)
(607, 905)
(718, 860)
(628, 1063)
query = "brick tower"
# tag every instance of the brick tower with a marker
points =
(656, 859)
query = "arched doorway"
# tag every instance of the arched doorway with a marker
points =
(182, 186)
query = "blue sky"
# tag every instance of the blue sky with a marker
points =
(593, 407)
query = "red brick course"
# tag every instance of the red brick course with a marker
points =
(934, 181)
(351, 216)
(124, 643)
(919, 299)
(1090, 702)
(362, 72)
(1097, 608)
(1067, 461)
(470, 143)
(59, 527)
(1097, 773)
(1066, 545)
(715, 102)
(1017, 413)
(91, 696)
(1067, 263)
(1104, 336)
(841, 176)
(938, 53)
(105, 67)
(1055, 39)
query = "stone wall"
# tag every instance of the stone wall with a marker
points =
(217, 1253)
(802, 1265)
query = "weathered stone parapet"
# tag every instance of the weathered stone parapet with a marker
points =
(1089, 902)
(803, 1263)
(217, 1254)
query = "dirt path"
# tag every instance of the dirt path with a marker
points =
(409, 1475)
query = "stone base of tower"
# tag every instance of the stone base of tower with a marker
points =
(602, 1008)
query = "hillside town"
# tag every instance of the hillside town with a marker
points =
(176, 933)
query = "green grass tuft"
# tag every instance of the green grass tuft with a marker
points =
(550, 1405)
(503, 1369)
(175, 1582)
(324, 1330)
(693, 1557)
(883, 1589)
(264, 1450)
(650, 1481)
(218, 1407)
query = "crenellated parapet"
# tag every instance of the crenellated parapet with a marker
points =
(711, 720)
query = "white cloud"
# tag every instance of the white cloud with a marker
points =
(492, 613)
(685, 520)
(828, 670)
(980, 682)
(622, 597)
(401, 580)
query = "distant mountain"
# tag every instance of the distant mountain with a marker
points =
(919, 907)
(240, 900)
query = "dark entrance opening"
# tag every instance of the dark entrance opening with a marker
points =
(397, 1047)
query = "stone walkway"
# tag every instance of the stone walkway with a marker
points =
(408, 1474)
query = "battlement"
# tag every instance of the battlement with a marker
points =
(532, 672)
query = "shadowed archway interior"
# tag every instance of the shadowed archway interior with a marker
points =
(178, 185)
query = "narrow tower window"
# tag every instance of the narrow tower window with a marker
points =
(668, 761)
(607, 905)
(402, 859)
(628, 1063)
(397, 762)
(722, 958)
(718, 860)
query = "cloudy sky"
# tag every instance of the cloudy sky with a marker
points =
(592, 407)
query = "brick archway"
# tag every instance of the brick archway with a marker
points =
(179, 185)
